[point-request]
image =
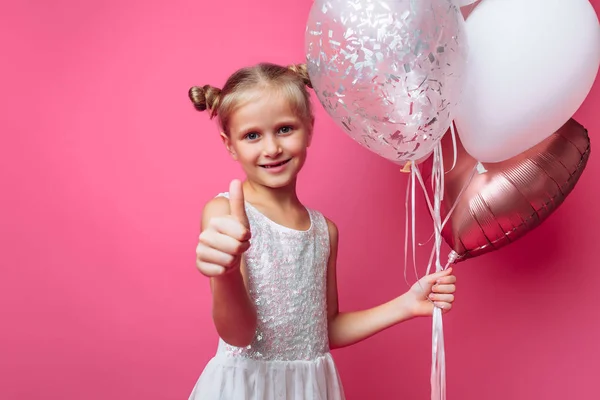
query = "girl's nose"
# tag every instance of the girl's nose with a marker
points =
(272, 147)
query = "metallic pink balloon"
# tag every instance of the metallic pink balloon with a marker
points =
(512, 197)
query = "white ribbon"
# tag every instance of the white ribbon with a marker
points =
(438, 365)
(438, 354)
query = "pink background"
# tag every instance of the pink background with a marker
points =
(105, 167)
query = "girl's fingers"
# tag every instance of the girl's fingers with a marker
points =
(223, 243)
(447, 279)
(210, 255)
(230, 226)
(445, 298)
(436, 276)
(447, 289)
(210, 270)
(444, 306)
(442, 291)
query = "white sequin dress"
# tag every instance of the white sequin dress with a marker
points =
(289, 357)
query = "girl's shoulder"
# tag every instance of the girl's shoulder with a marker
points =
(216, 207)
(222, 195)
(332, 229)
(319, 214)
(220, 200)
(331, 226)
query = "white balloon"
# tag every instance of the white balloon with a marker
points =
(531, 65)
(462, 3)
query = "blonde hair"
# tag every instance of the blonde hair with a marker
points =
(289, 80)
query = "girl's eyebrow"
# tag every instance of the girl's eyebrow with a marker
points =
(248, 129)
(288, 120)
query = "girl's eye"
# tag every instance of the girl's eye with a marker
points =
(285, 129)
(251, 136)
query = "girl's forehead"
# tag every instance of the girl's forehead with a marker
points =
(267, 94)
(263, 102)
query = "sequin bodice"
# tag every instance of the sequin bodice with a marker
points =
(287, 272)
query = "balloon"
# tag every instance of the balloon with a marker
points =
(462, 3)
(512, 197)
(531, 64)
(467, 6)
(389, 72)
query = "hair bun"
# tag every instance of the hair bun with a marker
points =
(205, 97)
(302, 72)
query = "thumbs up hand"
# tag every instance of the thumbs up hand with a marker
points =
(225, 238)
(236, 203)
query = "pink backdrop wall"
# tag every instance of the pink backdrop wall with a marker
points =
(105, 167)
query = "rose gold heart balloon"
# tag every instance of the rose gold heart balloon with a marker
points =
(512, 197)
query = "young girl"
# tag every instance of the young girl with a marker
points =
(272, 261)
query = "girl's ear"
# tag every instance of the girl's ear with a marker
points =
(227, 143)
(311, 129)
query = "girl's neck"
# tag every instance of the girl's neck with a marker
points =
(284, 197)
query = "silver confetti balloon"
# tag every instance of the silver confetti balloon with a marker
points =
(389, 72)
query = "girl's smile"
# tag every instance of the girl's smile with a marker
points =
(276, 167)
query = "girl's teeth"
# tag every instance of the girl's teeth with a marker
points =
(275, 165)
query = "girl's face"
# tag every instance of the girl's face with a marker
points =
(268, 139)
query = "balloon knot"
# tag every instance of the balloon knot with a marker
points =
(480, 168)
(452, 257)
(406, 168)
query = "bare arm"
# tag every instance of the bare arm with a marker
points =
(220, 257)
(234, 313)
(347, 328)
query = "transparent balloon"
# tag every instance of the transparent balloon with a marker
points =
(390, 73)
(462, 3)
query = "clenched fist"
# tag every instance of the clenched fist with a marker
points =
(225, 237)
